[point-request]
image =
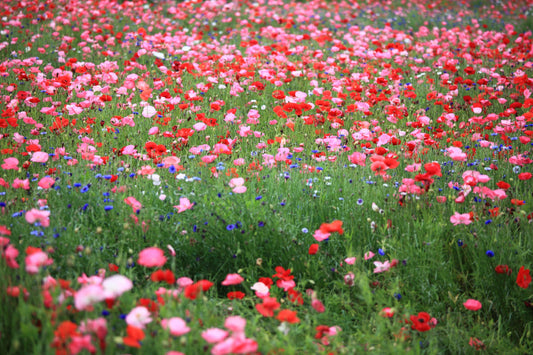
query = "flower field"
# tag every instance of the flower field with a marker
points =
(266, 177)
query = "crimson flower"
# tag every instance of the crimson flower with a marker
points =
(421, 322)
(523, 278)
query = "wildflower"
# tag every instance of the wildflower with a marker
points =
(135, 334)
(503, 269)
(138, 317)
(422, 322)
(458, 218)
(267, 308)
(236, 295)
(476, 343)
(523, 279)
(184, 205)
(176, 326)
(214, 335)
(232, 279)
(152, 257)
(472, 305)
(313, 249)
(288, 316)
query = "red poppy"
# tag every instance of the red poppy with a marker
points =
(134, 336)
(295, 296)
(420, 322)
(267, 308)
(523, 279)
(163, 275)
(503, 269)
(313, 249)
(335, 226)
(288, 316)
(236, 295)
(524, 176)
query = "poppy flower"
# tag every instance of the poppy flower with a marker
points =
(152, 257)
(421, 322)
(288, 316)
(267, 308)
(472, 305)
(523, 279)
(236, 295)
(313, 249)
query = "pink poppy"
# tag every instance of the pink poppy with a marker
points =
(36, 260)
(35, 215)
(152, 257)
(184, 205)
(458, 218)
(214, 335)
(21, 184)
(132, 201)
(39, 157)
(473, 305)
(175, 325)
(116, 285)
(10, 164)
(139, 317)
(88, 295)
(46, 182)
(232, 279)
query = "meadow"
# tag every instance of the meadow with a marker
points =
(266, 177)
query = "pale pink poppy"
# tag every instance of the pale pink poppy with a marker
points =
(200, 126)
(175, 325)
(238, 185)
(459, 218)
(261, 290)
(88, 295)
(152, 257)
(184, 205)
(116, 285)
(320, 236)
(149, 111)
(184, 282)
(139, 317)
(381, 267)
(39, 157)
(239, 162)
(369, 255)
(214, 335)
(236, 324)
(232, 279)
